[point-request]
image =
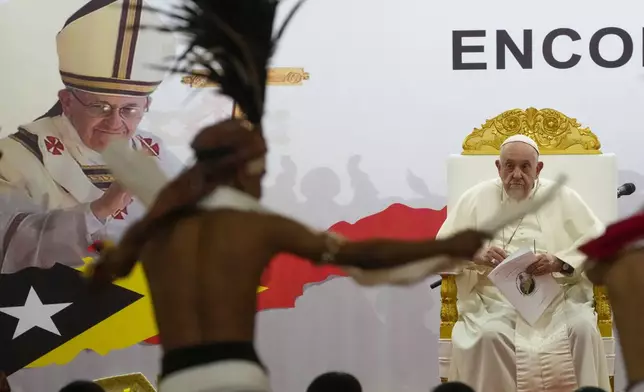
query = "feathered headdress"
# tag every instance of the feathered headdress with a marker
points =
(233, 41)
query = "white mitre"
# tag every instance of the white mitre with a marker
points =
(111, 47)
(521, 139)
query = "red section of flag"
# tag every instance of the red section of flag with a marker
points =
(96, 245)
(287, 276)
(285, 279)
(153, 340)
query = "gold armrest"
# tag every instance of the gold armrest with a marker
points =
(449, 311)
(604, 312)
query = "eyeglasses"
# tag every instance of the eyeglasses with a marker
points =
(103, 109)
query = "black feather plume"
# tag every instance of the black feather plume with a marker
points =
(233, 41)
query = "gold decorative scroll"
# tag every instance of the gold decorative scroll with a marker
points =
(134, 382)
(554, 132)
(279, 76)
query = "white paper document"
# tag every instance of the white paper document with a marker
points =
(530, 295)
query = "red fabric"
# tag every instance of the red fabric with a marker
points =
(616, 237)
(287, 276)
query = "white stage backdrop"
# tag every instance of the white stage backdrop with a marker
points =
(394, 88)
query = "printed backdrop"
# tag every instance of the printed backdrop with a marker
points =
(360, 146)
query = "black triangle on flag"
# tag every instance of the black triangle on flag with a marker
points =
(42, 309)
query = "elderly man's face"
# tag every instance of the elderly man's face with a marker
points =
(519, 168)
(99, 118)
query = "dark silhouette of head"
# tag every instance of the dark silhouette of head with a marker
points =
(321, 183)
(82, 386)
(453, 386)
(335, 382)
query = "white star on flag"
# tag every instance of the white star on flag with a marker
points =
(34, 314)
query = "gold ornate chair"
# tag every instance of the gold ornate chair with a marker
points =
(133, 382)
(565, 147)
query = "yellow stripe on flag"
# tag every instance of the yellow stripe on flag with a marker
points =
(130, 326)
(125, 328)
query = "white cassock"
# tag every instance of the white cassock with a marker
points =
(48, 178)
(494, 349)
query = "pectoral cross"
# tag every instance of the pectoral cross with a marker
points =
(279, 76)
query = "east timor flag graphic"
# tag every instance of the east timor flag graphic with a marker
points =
(47, 312)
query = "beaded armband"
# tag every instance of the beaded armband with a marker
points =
(332, 243)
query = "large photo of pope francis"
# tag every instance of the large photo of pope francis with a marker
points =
(57, 196)
(106, 63)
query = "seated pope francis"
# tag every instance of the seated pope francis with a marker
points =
(56, 194)
(493, 348)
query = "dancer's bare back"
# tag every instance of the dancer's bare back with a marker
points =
(204, 275)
